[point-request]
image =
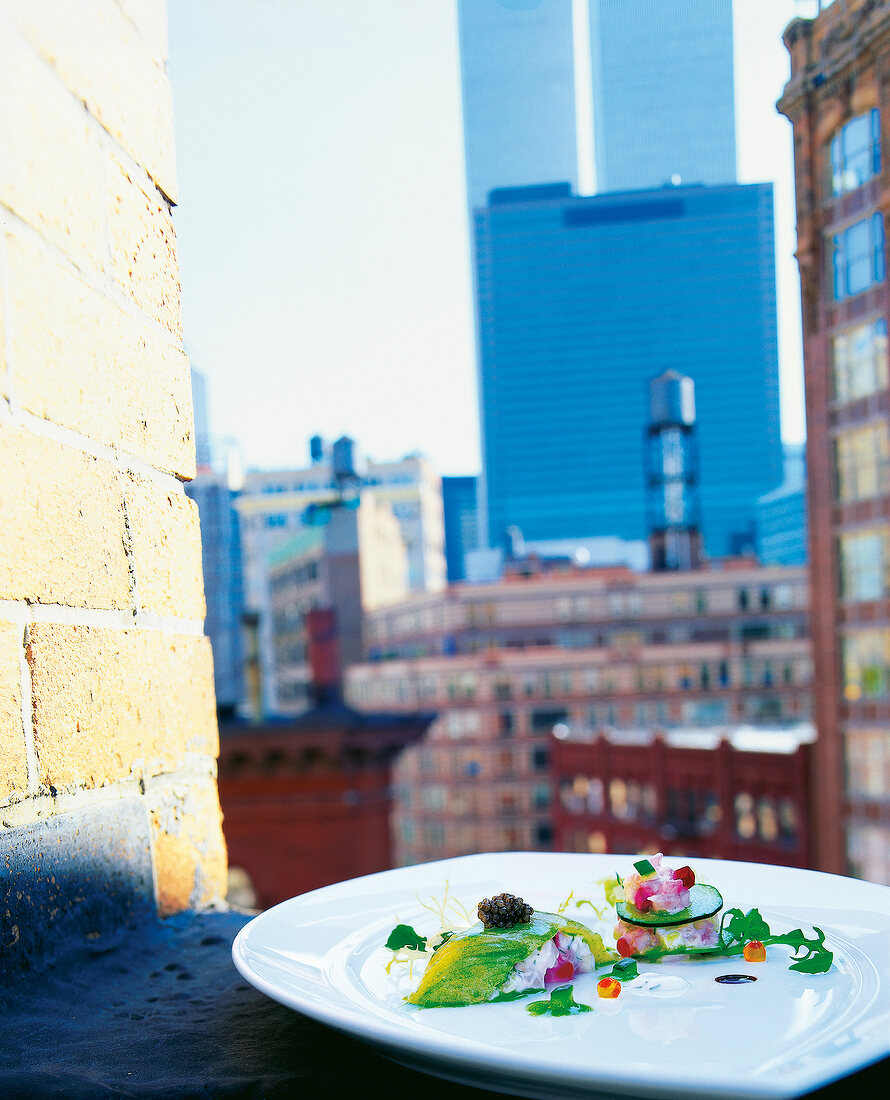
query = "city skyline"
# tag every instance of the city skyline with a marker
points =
(568, 345)
(348, 271)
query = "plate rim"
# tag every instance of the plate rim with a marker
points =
(428, 1049)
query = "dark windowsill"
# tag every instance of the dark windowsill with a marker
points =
(160, 1012)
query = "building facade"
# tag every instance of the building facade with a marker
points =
(221, 563)
(731, 794)
(581, 302)
(663, 105)
(648, 96)
(518, 88)
(782, 514)
(354, 563)
(838, 100)
(579, 652)
(272, 507)
(461, 512)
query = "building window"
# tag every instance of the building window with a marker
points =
(858, 257)
(865, 658)
(855, 152)
(859, 356)
(862, 462)
(864, 563)
(868, 763)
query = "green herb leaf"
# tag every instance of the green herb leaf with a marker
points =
(403, 935)
(514, 995)
(811, 955)
(644, 867)
(743, 927)
(624, 971)
(561, 1003)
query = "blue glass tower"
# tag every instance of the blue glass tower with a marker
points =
(459, 504)
(581, 301)
(518, 83)
(663, 105)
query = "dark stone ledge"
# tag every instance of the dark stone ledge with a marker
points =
(99, 998)
(160, 1012)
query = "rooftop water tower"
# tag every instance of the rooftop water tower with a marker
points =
(672, 474)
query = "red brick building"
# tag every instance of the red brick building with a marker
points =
(588, 652)
(838, 100)
(308, 802)
(739, 796)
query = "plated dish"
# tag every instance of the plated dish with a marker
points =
(674, 1031)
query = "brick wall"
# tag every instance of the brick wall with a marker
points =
(106, 688)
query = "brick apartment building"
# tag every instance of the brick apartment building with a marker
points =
(588, 652)
(838, 100)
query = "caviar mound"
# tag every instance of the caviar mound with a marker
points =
(704, 901)
(504, 911)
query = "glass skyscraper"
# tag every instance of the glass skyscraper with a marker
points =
(659, 88)
(581, 301)
(518, 82)
(662, 79)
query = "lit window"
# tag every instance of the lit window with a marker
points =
(858, 257)
(865, 658)
(745, 821)
(862, 461)
(860, 360)
(855, 152)
(865, 564)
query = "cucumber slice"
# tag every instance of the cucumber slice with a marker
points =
(704, 901)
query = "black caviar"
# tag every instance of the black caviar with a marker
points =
(504, 911)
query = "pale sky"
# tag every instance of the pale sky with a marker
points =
(322, 219)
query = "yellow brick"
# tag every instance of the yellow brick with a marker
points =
(189, 850)
(150, 19)
(79, 360)
(109, 704)
(102, 59)
(143, 248)
(13, 759)
(54, 169)
(166, 541)
(62, 536)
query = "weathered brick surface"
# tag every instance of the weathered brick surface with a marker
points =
(42, 128)
(190, 854)
(109, 704)
(103, 60)
(150, 19)
(13, 760)
(79, 360)
(62, 535)
(143, 247)
(166, 541)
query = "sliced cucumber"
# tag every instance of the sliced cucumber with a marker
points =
(704, 901)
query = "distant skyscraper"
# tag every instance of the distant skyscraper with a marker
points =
(221, 560)
(581, 302)
(518, 81)
(459, 503)
(782, 514)
(662, 92)
(657, 84)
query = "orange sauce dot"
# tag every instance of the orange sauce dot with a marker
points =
(608, 987)
(755, 952)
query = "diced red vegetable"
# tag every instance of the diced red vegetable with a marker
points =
(686, 875)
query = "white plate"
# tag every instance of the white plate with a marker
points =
(781, 1036)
